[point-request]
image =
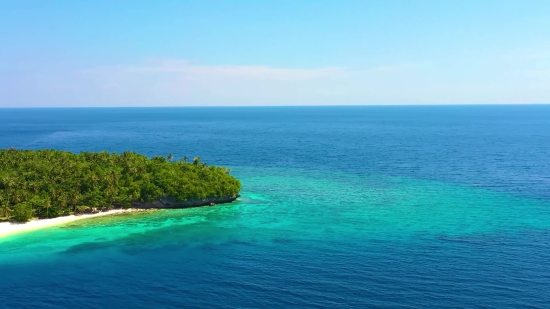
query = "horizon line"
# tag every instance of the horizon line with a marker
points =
(324, 105)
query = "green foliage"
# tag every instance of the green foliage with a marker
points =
(50, 183)
(22, 212)
(5, 209)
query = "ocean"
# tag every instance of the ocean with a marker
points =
(341, 207)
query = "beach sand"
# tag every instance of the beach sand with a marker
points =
(7, 228)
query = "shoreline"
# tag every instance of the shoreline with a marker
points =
(9, 229)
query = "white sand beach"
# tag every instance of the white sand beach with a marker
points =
(7, 228)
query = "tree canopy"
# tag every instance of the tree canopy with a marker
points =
(51, 183)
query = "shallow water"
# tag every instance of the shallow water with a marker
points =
(397, 207)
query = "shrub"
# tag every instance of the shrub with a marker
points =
(22, 212)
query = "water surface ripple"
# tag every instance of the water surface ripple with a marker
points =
(342, 207)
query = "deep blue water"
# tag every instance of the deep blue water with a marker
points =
(347, 207)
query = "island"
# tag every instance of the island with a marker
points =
(52, 183)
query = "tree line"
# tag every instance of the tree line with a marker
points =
(52, 183)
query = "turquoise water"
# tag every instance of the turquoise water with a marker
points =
(341, 207)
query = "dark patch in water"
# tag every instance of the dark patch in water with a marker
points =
(89, 246)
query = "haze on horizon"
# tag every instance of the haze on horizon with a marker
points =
(210, 53)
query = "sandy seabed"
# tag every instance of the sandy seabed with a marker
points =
(7, 228)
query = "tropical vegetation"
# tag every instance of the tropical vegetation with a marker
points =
(52, 183)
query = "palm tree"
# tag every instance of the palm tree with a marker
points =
(16, 197)
(5, 206)
(74, 197)
(110, 194)
(94, 179)
(62, 202)
(185, 158)
(9, 182)
(196, 161)
(170, 157)
(133, 170)
(34, 187)
(47, 204)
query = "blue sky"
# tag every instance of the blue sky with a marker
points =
(203, 53)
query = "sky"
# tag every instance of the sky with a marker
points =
(310, 52)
